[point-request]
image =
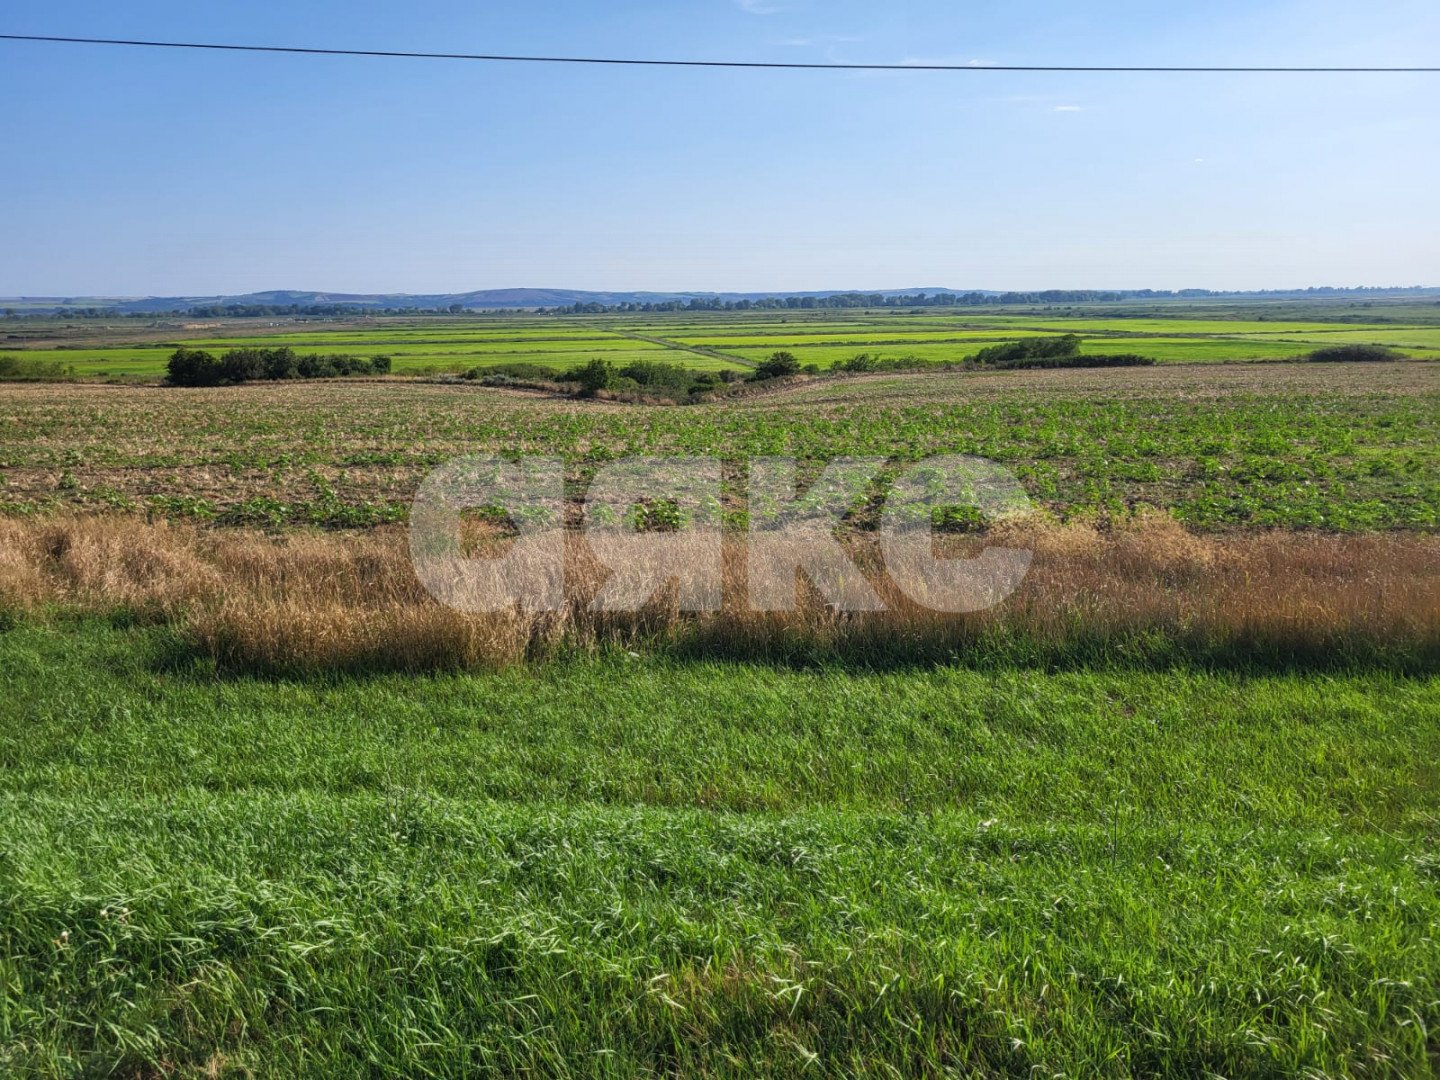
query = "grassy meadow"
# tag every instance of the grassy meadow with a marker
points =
(612, 867)
(1172, 809)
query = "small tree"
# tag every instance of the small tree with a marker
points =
(778, 364)
(242, 365)
(281, 363)
(595, 376)
(193, 367)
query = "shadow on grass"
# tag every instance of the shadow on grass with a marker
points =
(170, 650)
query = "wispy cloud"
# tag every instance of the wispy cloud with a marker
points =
(945, 61)
(759, 7)
(1069, 108)
(822, 39)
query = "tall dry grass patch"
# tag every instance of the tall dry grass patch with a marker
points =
(310, 602)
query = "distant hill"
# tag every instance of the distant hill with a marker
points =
(497, 299)
(478, 299)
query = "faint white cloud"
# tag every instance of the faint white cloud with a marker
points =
(823, 39)
(1069, 108)
(759, 7)
(944, 61)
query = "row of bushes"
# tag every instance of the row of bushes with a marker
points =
(32, 369)
(599, 377)
(643, 378)
(654, 379)
(1339, 354)
(196, 367)
(1046, 352)
(1057, 351)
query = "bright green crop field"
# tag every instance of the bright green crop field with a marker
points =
(708, 341)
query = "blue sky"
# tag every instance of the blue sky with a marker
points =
(134, 172)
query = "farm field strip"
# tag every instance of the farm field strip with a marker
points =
(1162, 349)
(737, 340)
(406, 359)
(1347, 446)
(1421, 338)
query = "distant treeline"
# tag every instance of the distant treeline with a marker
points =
(239, 311)
(947, 299)
(942, 298)
(863, 300)
(196, 367)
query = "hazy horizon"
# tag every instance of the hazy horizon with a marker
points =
(887, 290)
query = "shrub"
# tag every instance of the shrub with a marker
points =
(653, 373)
(777, 365)
(315, 366)
(515, 372)
(242, 365)
(281, 363)
(594, 377)
(1337, 354)
(859, 363)
(23, 368)
(864, 362)
(193, 367)
(190, 367)
(1036, 348)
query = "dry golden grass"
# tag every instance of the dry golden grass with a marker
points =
(352, 602)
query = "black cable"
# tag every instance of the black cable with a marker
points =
(701, 63)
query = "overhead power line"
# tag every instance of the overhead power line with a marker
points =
(633, 62)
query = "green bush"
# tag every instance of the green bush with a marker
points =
(777, 365)
(193, 367)
(594, 377)
(1035, 348)
(1339, 354)
(250, 365)
(864, 362)
(23, 368)
(242, 365)
(516, 373)
(656, 374)
(281, 363)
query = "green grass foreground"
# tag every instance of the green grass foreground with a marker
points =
(626, 866)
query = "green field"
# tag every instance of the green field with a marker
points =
(734, 340)
(1349, 447)
(615, 868)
